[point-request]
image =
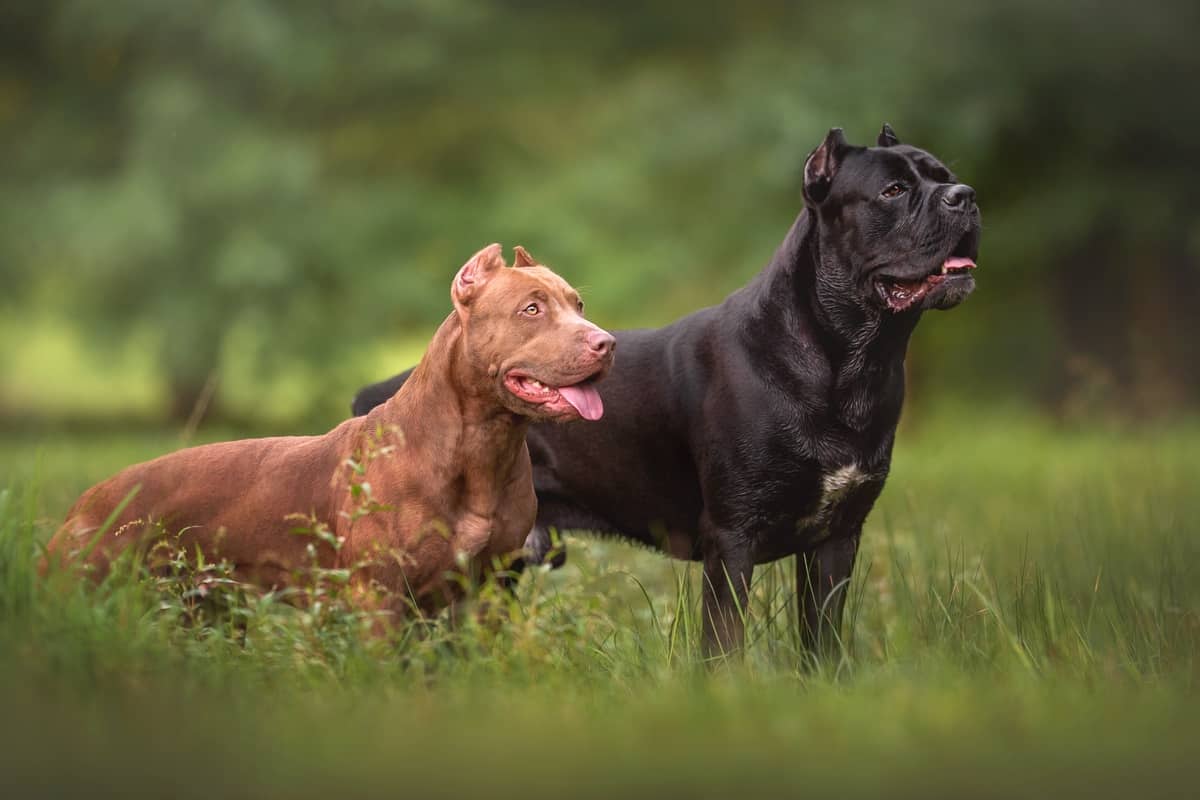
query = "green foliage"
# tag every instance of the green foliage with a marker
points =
(287, 183)
(1026, 619)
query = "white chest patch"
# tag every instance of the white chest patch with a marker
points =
(835, 486)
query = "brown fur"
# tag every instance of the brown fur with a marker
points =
(445, 455)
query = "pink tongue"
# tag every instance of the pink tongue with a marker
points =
(959, 262)
(585, 398)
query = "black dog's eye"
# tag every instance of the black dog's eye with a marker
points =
(580, 305)
(893, 191)
(533, 309)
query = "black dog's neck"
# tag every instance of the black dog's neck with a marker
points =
(803, 279)
(806, 297)
(851, 325)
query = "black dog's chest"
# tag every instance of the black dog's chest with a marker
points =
(790, 490)
(837, 488)
(793, 515)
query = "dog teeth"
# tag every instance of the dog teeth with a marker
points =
(538, 385)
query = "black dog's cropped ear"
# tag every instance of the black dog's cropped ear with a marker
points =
(822, 164)
(887, 137)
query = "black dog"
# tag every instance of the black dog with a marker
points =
(763, 427)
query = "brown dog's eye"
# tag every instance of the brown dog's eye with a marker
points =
(533, 309)
(893, 191)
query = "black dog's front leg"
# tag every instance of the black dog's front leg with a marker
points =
(822, 581)
(728, 569)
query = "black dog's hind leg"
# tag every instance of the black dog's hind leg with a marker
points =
(557, 515)
(539, 545)
(822, 582)
(728, 569)
(544, 545)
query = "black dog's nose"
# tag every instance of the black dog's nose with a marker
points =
(959, 196)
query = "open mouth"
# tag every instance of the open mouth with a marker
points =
(557, 401)
(901, 294)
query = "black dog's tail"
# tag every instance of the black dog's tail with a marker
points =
(377, 393)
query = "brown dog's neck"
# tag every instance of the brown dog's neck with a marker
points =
(449, 411)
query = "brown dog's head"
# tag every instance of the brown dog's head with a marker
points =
(523, 327)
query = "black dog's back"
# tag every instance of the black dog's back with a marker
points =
(587, 476)
(377, 393)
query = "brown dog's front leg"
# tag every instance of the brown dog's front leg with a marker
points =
(822, 581)
(728, 569)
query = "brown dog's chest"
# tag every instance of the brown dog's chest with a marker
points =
(432, 523)
(485, 536)
(508, 532)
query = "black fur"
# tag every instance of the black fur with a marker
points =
(763, 427)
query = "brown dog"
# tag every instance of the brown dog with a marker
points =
(435, 481)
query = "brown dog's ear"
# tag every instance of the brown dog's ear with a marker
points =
(522, 258)
(474, 274)
(822, 164)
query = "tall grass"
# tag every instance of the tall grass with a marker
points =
(1025, 618)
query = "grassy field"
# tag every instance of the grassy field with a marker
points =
(1025, 621)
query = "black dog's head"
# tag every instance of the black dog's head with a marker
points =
(897, 229)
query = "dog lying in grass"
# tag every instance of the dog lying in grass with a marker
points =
(433, 485)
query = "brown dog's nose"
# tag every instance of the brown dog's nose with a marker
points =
(600, 342)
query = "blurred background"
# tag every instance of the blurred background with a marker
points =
(223, 218)
(246, 210)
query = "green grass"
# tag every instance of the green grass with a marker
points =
(1025, 620)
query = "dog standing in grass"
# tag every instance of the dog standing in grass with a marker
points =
(763, 427)
(435, 482)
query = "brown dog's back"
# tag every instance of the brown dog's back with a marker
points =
(237, 500)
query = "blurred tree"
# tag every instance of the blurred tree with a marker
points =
(1086, 146)
(173, 166)
(312, 172)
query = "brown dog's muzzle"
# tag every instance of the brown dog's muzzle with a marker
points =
(563, 387)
